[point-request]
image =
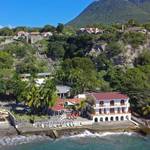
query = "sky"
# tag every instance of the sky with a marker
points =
(39, 12)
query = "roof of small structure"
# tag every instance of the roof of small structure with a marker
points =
(63, 89)
(71, 100)
(58, 108)
(60, 103)
(38, 74)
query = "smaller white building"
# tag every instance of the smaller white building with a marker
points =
(47, 34)
(111, 106)
(4, 118)
(22, 33)
(91, 30)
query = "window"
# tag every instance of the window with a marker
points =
(118, 110)
(112, 103)
(127, 117)
(101, 103)
(117, 118)
(112, 118)
(100, 111)
(122, 102)
(122, 118)
(106, 119)
(123, 110)
(96, 120)
(112, 110)
(101, 119)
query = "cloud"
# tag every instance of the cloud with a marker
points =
(1, 26)
(9, 26)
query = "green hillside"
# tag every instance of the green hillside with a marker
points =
(113, 11)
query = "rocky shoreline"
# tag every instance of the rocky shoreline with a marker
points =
(11, 137)
(61, 132)
(58, 133)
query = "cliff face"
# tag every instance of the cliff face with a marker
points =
(113, 11)
(126, 57)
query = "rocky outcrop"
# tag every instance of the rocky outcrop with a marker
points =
(126, 57)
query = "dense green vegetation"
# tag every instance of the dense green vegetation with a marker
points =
(78, 68)
(22, 57)
(38, 98)
(47, 28)
(134, 39)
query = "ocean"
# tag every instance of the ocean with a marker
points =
(84, 141)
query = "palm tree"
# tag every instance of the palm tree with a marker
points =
(30, 95)
(48, 94)
(33, 98)
(81, 107)
(39, 98)
(146, 110)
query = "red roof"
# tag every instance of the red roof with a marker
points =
(60, 103)
(109, 95)
(57, 108)
(71, 100)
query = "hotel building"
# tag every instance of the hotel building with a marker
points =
(111, 106)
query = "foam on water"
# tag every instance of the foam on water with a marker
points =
(17, 140)
(101, 134)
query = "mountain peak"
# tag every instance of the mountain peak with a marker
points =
(113, 11)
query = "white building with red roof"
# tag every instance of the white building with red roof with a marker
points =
(111, 106)
(22, 33)
(62, 105)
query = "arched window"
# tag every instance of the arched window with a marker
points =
(106, 119)
(117, 118)
(96, 120)
(112, 103)
(127, 117)
(122, 118)
(112, 118)
(101, 103)
(122, 102)
(101, 119)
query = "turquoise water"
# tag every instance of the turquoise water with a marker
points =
(90, 142)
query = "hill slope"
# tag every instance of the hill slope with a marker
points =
(113, 11)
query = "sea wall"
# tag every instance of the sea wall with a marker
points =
(57, 133)
(60, 132)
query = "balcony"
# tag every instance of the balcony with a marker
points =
(112, 113)
(111, 106)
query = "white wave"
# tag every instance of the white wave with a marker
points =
(17, 140)
(101, 134)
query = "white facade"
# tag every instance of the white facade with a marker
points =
(4, 116)
(47, 34)
(83, 96)
(91, 30)
(112, 110)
